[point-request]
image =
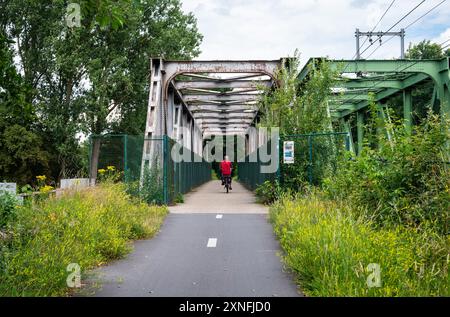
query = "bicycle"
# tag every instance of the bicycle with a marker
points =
(227, 183)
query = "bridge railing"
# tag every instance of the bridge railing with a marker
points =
(250, 171)
(315, 157)
(186, 170)
(163, 179)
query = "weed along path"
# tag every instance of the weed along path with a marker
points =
(213, 245)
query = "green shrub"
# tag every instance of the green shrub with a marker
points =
(8, 204)
(179, 198)
(402, 181)
(330, 250)
(268, 192)
(88, 227)
(152, 190)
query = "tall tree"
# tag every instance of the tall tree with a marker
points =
(425, 50)
(21, 153)
(154, 28)
(81, 76)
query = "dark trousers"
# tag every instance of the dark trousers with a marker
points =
(223, 179)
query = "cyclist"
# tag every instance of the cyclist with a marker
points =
(225, 170)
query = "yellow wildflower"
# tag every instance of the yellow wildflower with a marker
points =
(52, 216)
(101, 171)
(41, 177)
(46, 188)
(111, 168)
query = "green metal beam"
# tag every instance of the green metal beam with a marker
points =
(407, 110)
(429, 67)
(360, 130)
(347, 129)
(308, 67)
(389, 80)
(444, 92)
(351, 97)
(367, 84)
(408, 82)
(345, 106)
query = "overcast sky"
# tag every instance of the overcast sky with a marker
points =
(270, 29)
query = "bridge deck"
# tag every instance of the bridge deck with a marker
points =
(211, 198)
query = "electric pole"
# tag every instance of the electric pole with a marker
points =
(379, 35)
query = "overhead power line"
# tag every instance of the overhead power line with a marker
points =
(379, 21)
(373, 29)
(425, 14)
(444, 42)
(395, 24)
(409, 25)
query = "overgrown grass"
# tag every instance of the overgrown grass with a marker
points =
(89, 227)
(330, 250)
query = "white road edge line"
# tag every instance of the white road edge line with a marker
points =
(219, 216)
(212, 242)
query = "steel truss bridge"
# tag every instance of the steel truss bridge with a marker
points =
(190, 101)
(384, 79)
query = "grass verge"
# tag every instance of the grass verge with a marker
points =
(89, 228)
(330, 251)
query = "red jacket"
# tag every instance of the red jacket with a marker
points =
(225, 168)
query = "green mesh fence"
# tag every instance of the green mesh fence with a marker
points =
(250, 172)
(124, 152)
(186, 170)
(173, 170)
(316, 157)
(152, 187)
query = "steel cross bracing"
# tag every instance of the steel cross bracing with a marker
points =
(383, 78)
(191, 100)
(210, 93)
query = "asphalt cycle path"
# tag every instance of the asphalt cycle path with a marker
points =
(213, 245)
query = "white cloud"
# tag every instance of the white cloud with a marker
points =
(443, 37)
(270, 29)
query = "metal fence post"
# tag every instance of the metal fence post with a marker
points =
(90, 159)
(125, 157)
(347, 142)
(165, 161)
(280, 155)
(310, 160)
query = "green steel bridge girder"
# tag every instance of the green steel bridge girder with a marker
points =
(384, 78)
(385, 83)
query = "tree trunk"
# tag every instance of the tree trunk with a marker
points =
(94, 158)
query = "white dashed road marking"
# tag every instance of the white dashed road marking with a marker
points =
(219, 216)
(212, 242)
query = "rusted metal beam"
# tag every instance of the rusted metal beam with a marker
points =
(225, 121)
(212, 129)
(203, 84)
(219, 98)
(221, 108)
(223, 116)
(171, 69)
(225, 66)
(206, 92)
